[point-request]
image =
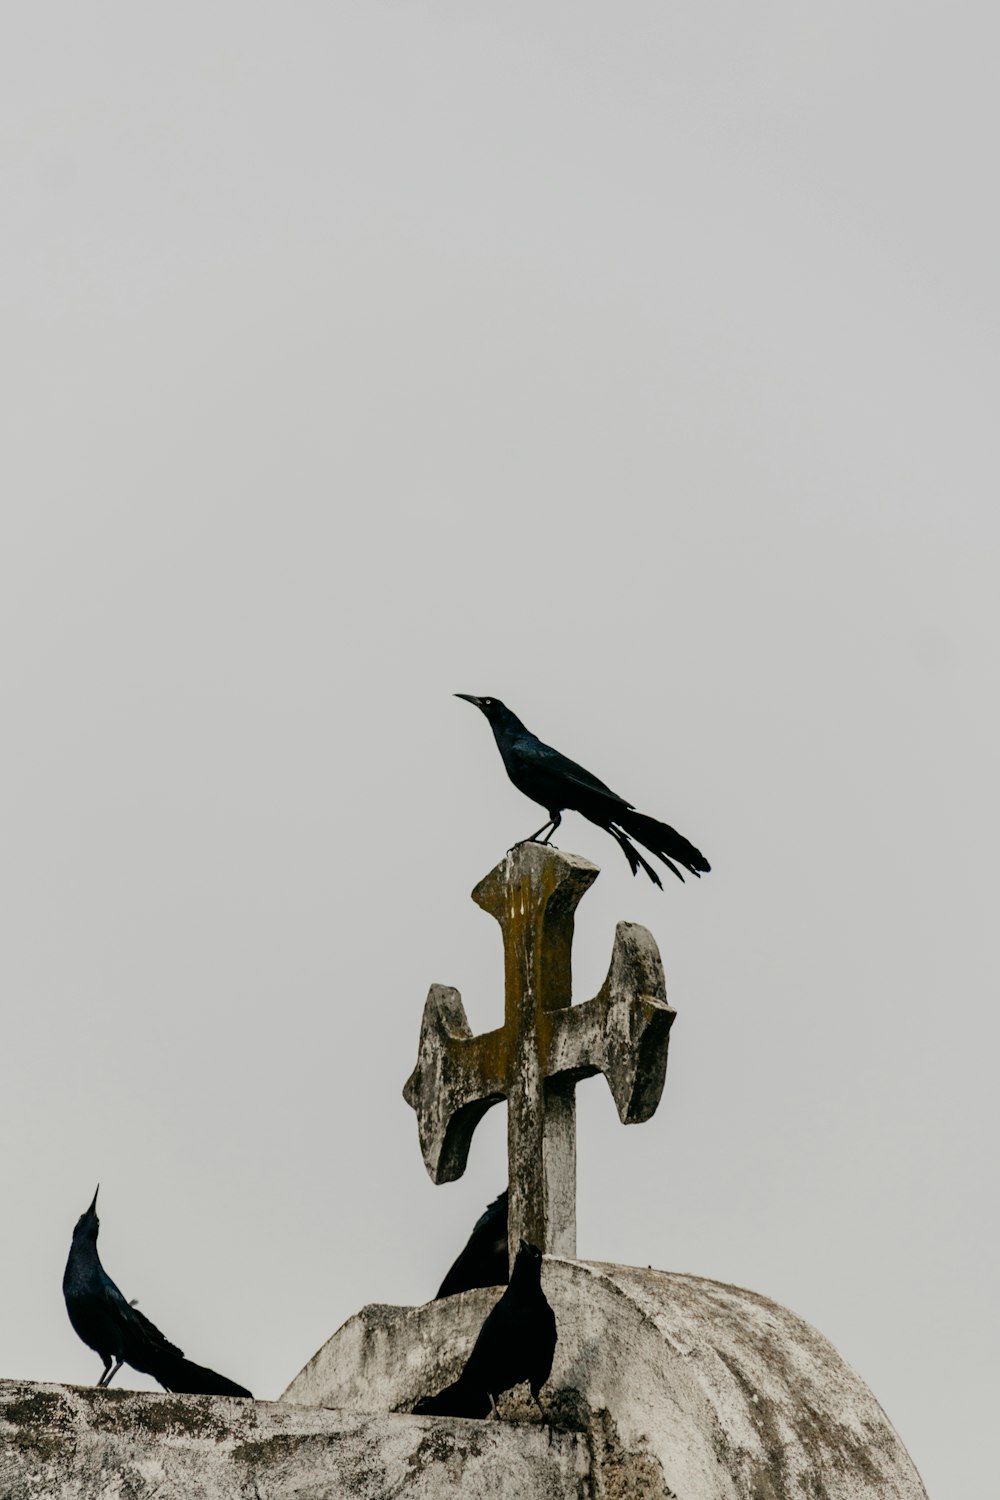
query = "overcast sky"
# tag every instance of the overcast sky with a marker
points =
(637, 365)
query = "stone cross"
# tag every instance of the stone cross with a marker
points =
(545, 1046)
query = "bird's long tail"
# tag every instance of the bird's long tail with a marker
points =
(660, 839)
(184, 1376)
(456, 1400)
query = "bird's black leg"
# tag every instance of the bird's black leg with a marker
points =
(548, 829)
(104, 1373)
(533, 837)
(554, 820)
(108, 1378)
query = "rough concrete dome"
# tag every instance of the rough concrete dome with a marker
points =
(686, 1387)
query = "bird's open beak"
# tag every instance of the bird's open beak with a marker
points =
(470, 699)
(93, 1207)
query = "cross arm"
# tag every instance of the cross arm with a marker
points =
(624, 1031)
(458, 1077)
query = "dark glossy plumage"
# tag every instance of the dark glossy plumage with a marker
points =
(118, 1331)
(485, 1259)
(517, 1342)
(558, 783)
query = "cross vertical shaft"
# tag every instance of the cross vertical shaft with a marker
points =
(534, 899)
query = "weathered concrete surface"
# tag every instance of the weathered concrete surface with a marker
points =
(686, 1387)
(545, 1046)
(77, 1443)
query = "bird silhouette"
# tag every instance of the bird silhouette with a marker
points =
(557, 783)
(118, 1331)
(484, 1261)
(517, 1342)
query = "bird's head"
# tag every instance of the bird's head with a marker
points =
(491, 707)
(527, 1268)
(498, 714)
(88, 1223)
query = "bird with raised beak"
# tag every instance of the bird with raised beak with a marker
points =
(118, 1331)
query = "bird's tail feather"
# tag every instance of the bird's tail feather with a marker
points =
(184, 1376)
(456, 1400)
(665, 842)
(635, 859)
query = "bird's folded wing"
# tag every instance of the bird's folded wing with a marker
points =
(553, 763)
(141, 1330)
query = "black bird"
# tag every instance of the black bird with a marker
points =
(484, 1261)
(119, 1331)
(516, 1342)
(558, 783)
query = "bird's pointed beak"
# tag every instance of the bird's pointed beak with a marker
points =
(93, 1207)
(470, 699)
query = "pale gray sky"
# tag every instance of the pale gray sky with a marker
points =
(636, 365)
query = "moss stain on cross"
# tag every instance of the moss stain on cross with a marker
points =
(545, 1046)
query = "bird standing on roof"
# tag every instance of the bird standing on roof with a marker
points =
(517, 1342)
(118, 1331)
(558, 783)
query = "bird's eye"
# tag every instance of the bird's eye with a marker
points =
(487, 700)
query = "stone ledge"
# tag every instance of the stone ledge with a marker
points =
(62, 1442)
(685, 1387)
